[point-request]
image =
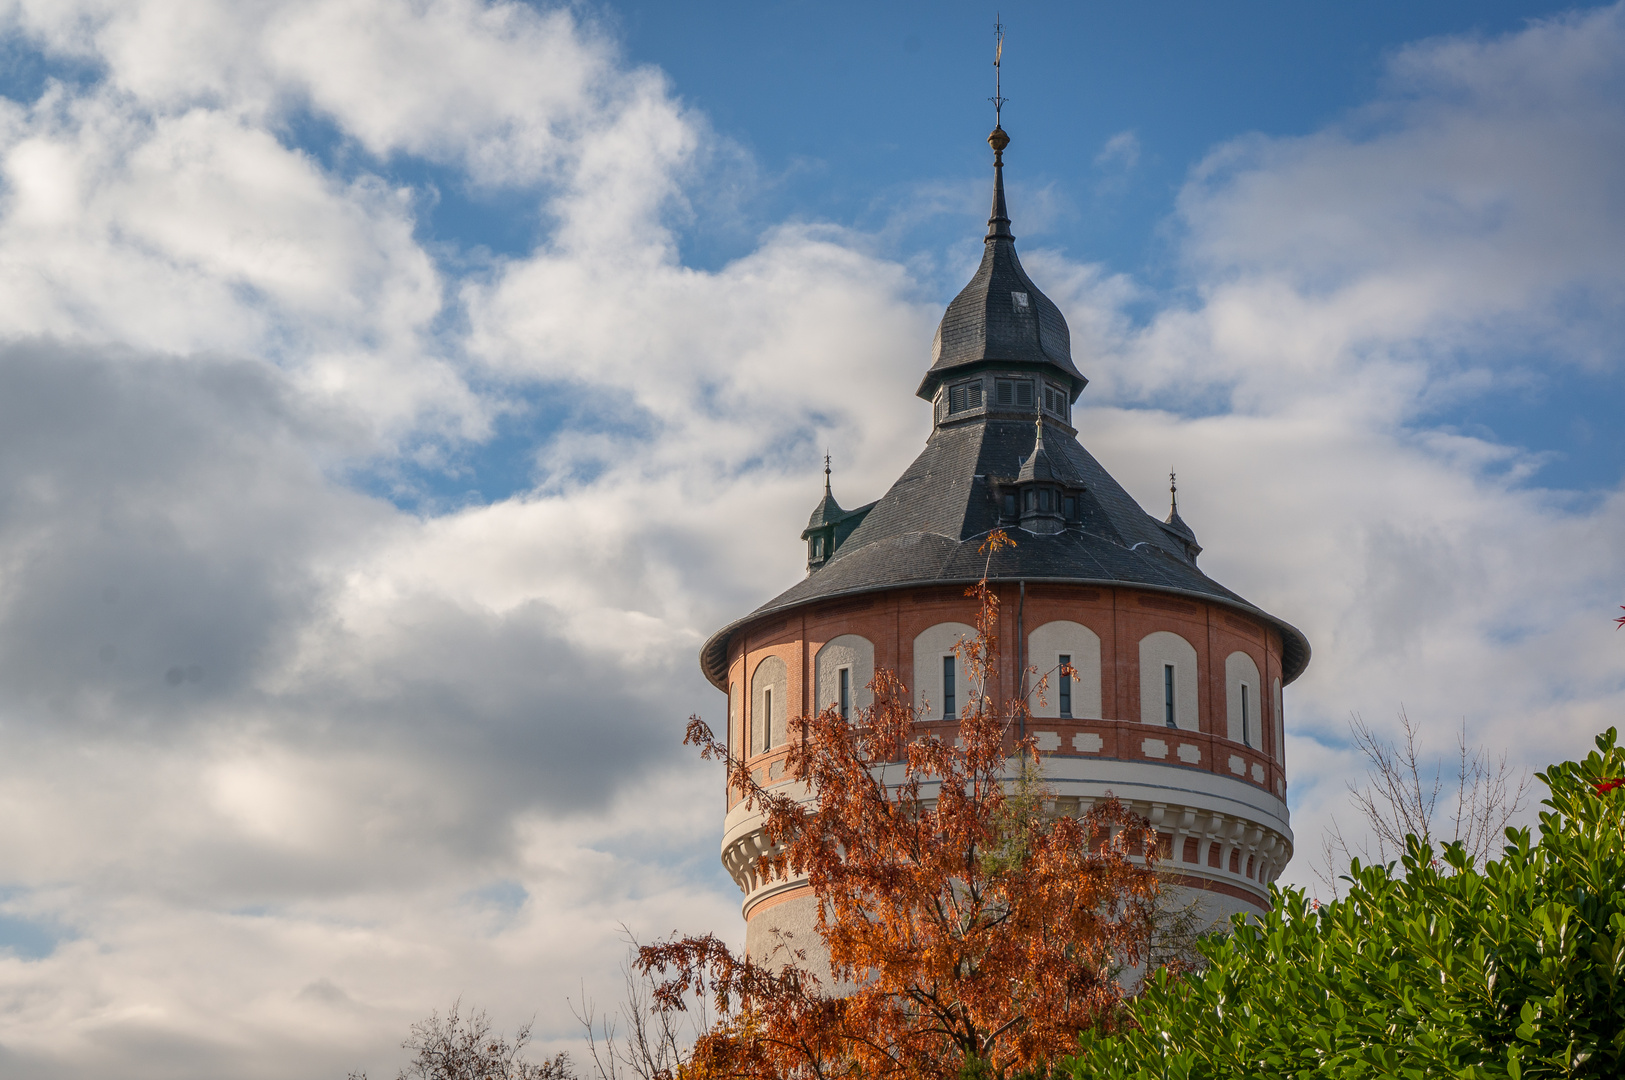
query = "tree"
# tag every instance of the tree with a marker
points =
(1514, 969)
(1400, 799)
(970, 930)
(459, 1047)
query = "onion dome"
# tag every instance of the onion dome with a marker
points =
(1001, 317)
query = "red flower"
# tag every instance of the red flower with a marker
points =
(1605, 786)
(1621, 620)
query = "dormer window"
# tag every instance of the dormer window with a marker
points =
(967, 395)
(1013, 392)
(1055, 400)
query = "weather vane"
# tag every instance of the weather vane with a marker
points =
(826, 468)
(1173, 490)
(998, 97)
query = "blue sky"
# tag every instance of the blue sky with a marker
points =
(393, 396)
(872, 117)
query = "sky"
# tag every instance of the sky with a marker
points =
(393, 397)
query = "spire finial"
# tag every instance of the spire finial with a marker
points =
(998, 97)
(998, 223)
(826, 470)
(1173, 492)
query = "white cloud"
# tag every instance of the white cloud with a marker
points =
(279, 756)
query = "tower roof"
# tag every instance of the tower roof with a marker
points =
(930, 527)
(1001, 316)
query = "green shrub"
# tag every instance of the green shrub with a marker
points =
(1439, 970)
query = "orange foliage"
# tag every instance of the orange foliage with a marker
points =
(965, 924)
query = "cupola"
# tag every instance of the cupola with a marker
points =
(1001, 320)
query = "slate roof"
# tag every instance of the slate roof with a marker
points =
(928, 527)
(926, 530)
(985, 322)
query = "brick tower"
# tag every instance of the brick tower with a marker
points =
(1176, 707)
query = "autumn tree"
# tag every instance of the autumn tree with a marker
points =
(966, 927)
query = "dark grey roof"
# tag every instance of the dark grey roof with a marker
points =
(827, 512)
(928, 527)
(988, 321)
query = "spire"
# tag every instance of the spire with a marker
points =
(1001, 317)
(998, 223)
(1176, 524)
(826, 471)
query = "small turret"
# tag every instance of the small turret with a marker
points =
(1175, 524)
(829, 525)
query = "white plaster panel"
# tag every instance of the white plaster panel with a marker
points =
(1239, 671)
(1154, 748)
(767, 731)
(850, 651)
(1258, 773)
(1047, 741)
(1157, 650)
(1045, 646)
(1190, 754)
(1088, 742)
(1237, 765)
(930, 646)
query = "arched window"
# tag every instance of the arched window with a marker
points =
(1168, 681)
(1078, 697)
(845, 662)
(1241, 698)
(769, 698)
(934, 658)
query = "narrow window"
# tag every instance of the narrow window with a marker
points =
(1009, 505)
(1071, 507)
(1066, 687)
(1168, 694)
(1043, 501)
(846, 692)
(767, 719)
(974, 396)
(1029, 500)
(1005, 392)
(948, 709)
(1024, 394)
(1246, 735)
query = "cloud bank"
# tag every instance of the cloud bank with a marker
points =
(290, 758)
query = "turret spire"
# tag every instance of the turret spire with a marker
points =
(998, 223)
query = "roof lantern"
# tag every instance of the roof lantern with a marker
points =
(1001, 318)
